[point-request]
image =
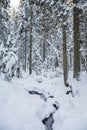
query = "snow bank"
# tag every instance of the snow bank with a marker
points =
(18, 109)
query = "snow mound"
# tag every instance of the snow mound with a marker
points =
(18, 109)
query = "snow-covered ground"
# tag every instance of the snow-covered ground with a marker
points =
(20, 110)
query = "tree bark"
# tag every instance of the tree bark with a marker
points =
(65, 64)
(44, 48)
(31, 29)
(25, 52)
(76, 43)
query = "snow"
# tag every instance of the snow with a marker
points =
(20, 110)
(75, 123)
(10, 60)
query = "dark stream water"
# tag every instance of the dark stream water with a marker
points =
(47, 121)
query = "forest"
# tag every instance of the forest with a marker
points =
(43, 64)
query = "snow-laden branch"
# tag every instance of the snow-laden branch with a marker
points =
(38, 54)
(81, 5)
(40, 37)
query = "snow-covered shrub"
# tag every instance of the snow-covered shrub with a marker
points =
(9, 65)
(40, 79)
(9, 59)
(57, 73)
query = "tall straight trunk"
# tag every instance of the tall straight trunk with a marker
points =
(76, 43)
(65, 64)
(44, 48)
(31, 29)
(44, 35)
(56, 63)
(25, 53)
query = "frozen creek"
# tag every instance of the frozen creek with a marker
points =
(48, 120)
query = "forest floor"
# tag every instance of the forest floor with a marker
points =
(25, 102)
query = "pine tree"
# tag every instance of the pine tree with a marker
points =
(8, 50)
(4, 30)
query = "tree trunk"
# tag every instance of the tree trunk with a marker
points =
(44, 47)
(31, 29)
(44, 34)
(76, 43)
(65, 70)
(25, 52)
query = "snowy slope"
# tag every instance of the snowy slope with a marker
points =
(20, 110)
